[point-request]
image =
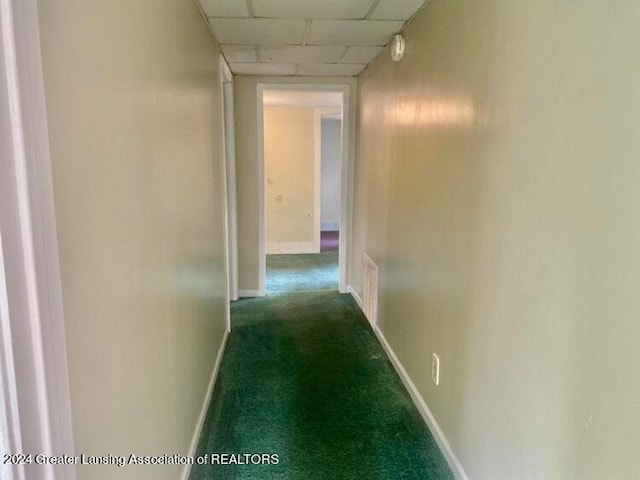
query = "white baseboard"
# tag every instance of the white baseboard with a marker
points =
(329, 226)
(205, 406)
(249, 293)
(355, 296)
(292, 247)
(419, 402)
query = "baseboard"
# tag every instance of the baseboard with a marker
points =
(205, 406)
(329, 226)
(355, 296)
(291, 247)
(427, 416)
(248, 293)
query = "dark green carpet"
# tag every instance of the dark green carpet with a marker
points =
(302, 272)
(304, 377)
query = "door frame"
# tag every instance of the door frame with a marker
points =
(229, 167)
(318, 114)
(346, 167)
(33, 298)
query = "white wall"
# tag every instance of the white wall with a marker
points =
(497, 190)
(134, 113)
(331, 133)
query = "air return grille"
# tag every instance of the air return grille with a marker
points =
(370, 289)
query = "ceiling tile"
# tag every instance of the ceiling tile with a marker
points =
(329, 70)
(258, 31)
(240, 53)
(263, 68)
(224, 8)
(360, 54)
(334, 9)
(396, 9)
(299, 54)
(352, 32)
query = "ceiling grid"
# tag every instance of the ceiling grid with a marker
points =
(305, 37)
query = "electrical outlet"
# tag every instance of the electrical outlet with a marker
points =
(435, 369)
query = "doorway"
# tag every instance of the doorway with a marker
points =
(302, 155)
(328, 137)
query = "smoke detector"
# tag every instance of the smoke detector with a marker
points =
(397, 48)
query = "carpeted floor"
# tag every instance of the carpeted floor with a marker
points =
(302, 272)
(304, 377)
(329, 240)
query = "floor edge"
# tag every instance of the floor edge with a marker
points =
(205, 406)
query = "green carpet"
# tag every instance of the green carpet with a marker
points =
(304, 377)
(302, 272)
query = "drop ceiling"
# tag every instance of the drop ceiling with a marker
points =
(305, 37)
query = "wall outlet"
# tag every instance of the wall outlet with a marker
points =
(435, 369)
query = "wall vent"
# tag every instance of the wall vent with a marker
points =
(370, 289)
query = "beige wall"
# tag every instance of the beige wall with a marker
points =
(246, 111)
(497, 189)
(134, 122)
(289, 175)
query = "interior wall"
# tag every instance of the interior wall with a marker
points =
(497, 190)
(331, 141)
(246, 123)
(134, 114)
(290, 178)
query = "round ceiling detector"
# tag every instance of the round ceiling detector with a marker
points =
(397, 48)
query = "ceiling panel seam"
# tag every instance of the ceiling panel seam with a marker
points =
(372, 9)
(250, 9)
(307, 28)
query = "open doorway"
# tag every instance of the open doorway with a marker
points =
(302, 159)
(329, 138)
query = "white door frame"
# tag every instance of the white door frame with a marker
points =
(10, 436)
(345, 181)
(33, 300)
(229, 151)
(318, 114)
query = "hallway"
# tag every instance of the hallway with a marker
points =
(302, 272)
(304, 377)
(485, 159)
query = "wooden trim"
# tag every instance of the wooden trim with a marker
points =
(205, 405)
(290, 247)
(425, 412)
(9, 411)
(355, 296)
(262, 212)
(50, 414)
(317, 167)
(346, 175)
(418, 400)
(318, 115)
(249, 293)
